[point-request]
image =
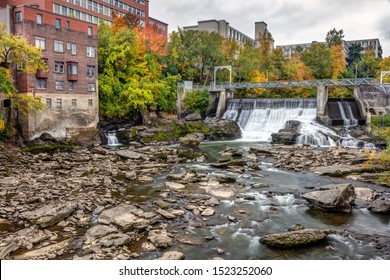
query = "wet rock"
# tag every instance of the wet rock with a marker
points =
(294, 239)
(337, 198)
(288, 135)
(192, 140)
(234, 162)
(178, 213)
(127, 217)
(126, 154)
(174, 186)
(160, 238)
(221, 193)
(189, 240)
(208, 212)
(166, 214)
(381, 206)
(49, 215)
(172, 256)
(296, 227)
(212, 201)
(162, 204)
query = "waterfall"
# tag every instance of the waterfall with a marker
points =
(346, 113)
(112, 140)
(259, 118)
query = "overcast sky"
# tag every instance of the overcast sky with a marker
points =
(289, 21)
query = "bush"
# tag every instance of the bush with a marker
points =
(197, 101)
(381, 121)
(385, 158)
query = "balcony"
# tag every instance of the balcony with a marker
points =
(72, 71)
(40, 74)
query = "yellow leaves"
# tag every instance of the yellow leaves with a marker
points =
(2, 125)
(339, 63)
(257, 77)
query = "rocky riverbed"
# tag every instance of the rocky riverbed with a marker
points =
(156, 202)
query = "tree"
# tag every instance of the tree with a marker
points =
(354, 53)
(248, 61)
(16, 52)
(319, 59)
(334, 37)
(369, 66)
(339, 62)
(384, 66)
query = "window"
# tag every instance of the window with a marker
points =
(73, 48)
(72, 68)
(58, 103)
(90, 103)
(48, 102)
(71, 85)
(59, 67)
(67, 24)
(60, 85)
(41, 84)
(89, 31)
(40, 43)
(74, 103)
(58, 23)
(91, 87)
(18, 17)
(91, 70)
(59, 46)
(91, 51)
(39, 19)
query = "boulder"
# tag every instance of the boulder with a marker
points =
(288, 135)
(116, 239)
(172, 256)
(130, 154)
(365, 195)
(160, 238)
(337, 198)
(49, 215)
(191, 140)
(99, 231)
(174, 186)
(208, 212)
(193, 117)
(294, 239)
(381, 206)
(126, 217)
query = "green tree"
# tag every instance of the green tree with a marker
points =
(247, 62)
(354, 53)
(369, 66)
(334, 37)
(319, 59)
(384, 66)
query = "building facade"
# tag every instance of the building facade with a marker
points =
(66, 31)
(94, 10)
(69, 87)
(223, 28)
(373, 44)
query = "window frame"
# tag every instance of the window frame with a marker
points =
(58, 23)
(91, 51)
(40, 40)
(18, 16)
(58, 43)
(59, 67)
(40, 82)
(91, 87)
(39, 19)
(58, 85)
(90, 72)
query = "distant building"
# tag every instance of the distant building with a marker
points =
(374, 44)
(223, 28)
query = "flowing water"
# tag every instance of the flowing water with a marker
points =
(112, 140)
(269, 210)
(259, 118)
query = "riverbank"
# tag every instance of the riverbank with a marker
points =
(142, 201)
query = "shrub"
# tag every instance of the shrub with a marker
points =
(197, 101)
(381, 121)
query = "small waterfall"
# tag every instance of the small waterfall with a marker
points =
(346, 113)
(259, 118)
(112, 140)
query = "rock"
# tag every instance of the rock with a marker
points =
(294, 239)
(178, 213)
(296, 227)
(365, 195)
(208, 212)
(234, 162)
(342, 170)
(221, 193)
(193, 117)
(126, 154)
(191, 140)
(174, 186)
(45, 250)
(212, 201)
(49, 215)
(160, 238)
(381, 206)
(99, 231)
(116, 239)
(166, 214)
(124, 216)
(336, 198)
(47, 137)
(288, 135)
(7, 249)
(172, 256)
(222, 130)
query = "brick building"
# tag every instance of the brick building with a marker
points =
(66, 30)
